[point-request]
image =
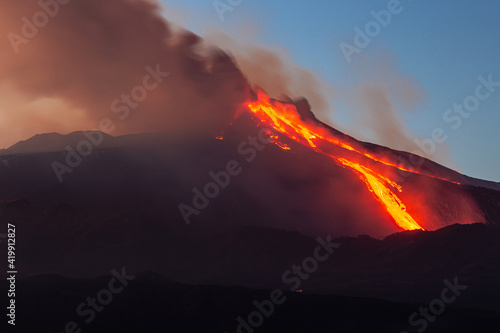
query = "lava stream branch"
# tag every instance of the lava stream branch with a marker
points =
(285, 119)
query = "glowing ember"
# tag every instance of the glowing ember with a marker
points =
(285, 119)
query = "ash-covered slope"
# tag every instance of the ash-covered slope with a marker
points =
(295, 189)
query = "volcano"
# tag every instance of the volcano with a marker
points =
(215, 206)
(241, 209)
(333, 181)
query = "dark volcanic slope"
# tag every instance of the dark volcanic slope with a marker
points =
(275, 189)
(153, 174)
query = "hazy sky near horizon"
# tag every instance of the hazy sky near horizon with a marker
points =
(438, 50)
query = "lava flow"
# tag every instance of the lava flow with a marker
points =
(285, 119)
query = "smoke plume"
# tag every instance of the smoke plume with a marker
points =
(66, 74)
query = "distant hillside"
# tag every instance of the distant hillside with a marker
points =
(55, 142)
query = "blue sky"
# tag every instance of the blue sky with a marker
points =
(443, 45)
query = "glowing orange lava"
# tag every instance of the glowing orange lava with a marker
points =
(285, 119)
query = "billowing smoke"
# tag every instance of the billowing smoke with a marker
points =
(275, 72)
(67, 66)
(382, 96)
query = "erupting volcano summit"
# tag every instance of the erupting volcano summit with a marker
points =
(383, 176)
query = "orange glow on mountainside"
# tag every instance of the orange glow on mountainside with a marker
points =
(285, 119)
